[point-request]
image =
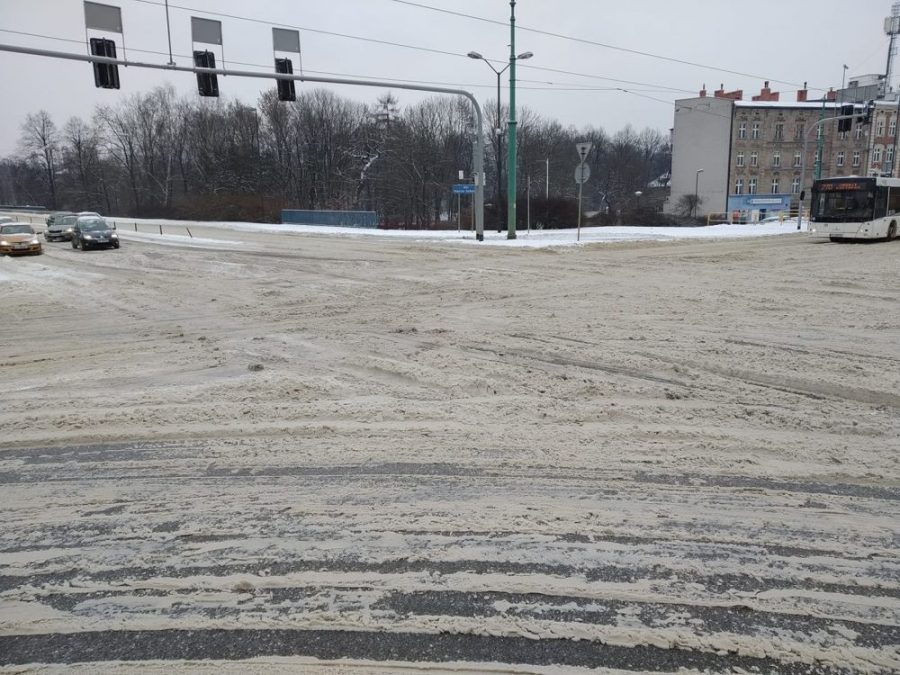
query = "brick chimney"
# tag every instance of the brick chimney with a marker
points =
(736, 95)
(767, 94)
(802, 94)
(831, 95)
(703, 92)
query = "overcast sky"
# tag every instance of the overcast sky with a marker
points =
(785, 41)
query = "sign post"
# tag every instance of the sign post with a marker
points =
(582, 173)
(460, 189)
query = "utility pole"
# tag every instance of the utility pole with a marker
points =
(511, 156)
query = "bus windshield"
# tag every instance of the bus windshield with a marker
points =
(852, 201)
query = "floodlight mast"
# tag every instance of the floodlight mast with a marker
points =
(477, 155)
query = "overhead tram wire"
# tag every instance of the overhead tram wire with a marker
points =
(266, 67)
(402, 45)
(567, 87)
(594, 43)
(282, 24)
(130, 48)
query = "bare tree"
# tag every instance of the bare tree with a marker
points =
(687, 205)
(40, 142)
(157, 154)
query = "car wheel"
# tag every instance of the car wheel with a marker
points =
(892, 232)
(74, 243)
(116, 245)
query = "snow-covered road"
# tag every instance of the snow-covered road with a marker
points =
(641, 457)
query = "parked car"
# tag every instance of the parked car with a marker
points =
(19, 239)
(60, 226)
(94, 232)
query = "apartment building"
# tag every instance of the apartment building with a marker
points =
(883, 133)
(744, 158)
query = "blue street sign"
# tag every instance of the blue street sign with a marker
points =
(464, 189)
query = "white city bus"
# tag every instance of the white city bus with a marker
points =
(855, 207)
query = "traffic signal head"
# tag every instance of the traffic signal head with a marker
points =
(207, 83)
(286, 90)
(106, 75)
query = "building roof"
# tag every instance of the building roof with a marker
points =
(807, 105)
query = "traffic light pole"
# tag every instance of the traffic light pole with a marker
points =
(477, 155)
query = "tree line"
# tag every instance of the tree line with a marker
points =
(158, 154)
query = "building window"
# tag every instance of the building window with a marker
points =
(754, 132)
(859, 131)
(740, 159)
(876, 155)
(879, 129)
(754, 159)
(751, 186)
(779, 131)
(775, 185)
(797, 159)
(889, 155)
(776, 159)
(742, 130)
(798, 132)
(856, 158)
(892, 129)
(842, 135)
(820, 131)
(795, 185)
(840, 158)
(739, 186)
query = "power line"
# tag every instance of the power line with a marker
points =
(130, 49)
(660, 87)
(303, 28)
(264, 67)
(594, 43)
(404, 45)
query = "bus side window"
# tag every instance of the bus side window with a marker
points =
(881, 205)
(894, 201)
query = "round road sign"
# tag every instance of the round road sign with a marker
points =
(582, 173)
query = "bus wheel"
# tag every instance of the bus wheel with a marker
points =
(892, 231)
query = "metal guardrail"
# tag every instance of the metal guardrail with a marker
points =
(722, 217)
(40, 221)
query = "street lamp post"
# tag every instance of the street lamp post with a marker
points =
(498, 131)
(696, 191)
